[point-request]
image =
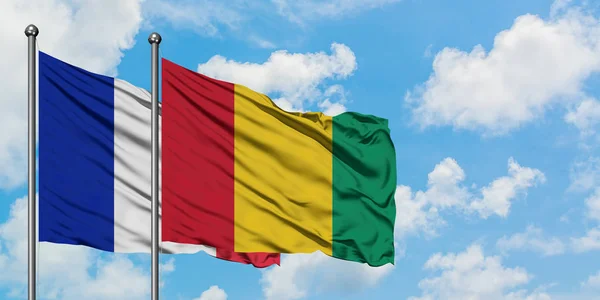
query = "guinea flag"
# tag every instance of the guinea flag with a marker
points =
(240, 173)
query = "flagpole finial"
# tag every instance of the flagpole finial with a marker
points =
(32, 30)
(154, 38)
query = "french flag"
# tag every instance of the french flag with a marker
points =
(95, 165)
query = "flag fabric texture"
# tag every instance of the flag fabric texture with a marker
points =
(240, 173)
(95, 165)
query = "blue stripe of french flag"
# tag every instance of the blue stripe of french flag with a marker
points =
(94, 161)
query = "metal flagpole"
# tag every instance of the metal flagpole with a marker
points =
(154, 39)
(31, 32)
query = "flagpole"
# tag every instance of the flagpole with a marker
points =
(31, 32)
(154, 39)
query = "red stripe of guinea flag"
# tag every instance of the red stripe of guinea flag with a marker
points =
(200, 171)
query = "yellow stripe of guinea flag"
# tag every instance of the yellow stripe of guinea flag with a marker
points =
(307, 182)
(283, 177)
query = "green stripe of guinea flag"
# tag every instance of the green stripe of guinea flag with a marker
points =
(364, 183)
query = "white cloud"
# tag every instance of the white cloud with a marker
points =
(298, 79)
(89, 276)
(444, 189)
(585, 175)
(118, 278)
(213, 293)
(532, 239)
(593, 282)
(164, 269)
(533, 65)
(427, 53)
(588, 291)
(299, 274)
(589, 242)
(214, 18)
(332, 109)
(592, 204)
(70, 31)
(586, 116)
(525, 295)
(334, 101)
(559, 6)
(301, 11)
(415, 214)
(168, 266)
(498, 195)
(202, 16)
(472, 275)
(420, 211)
(261, 42)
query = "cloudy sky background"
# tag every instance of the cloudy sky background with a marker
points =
(494, 110)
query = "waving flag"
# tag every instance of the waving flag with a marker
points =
(242, 174)
(94, 165)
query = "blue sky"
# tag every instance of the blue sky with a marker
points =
(493, 109)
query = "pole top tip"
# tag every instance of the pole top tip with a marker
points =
(31, 30)
(154, 38)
